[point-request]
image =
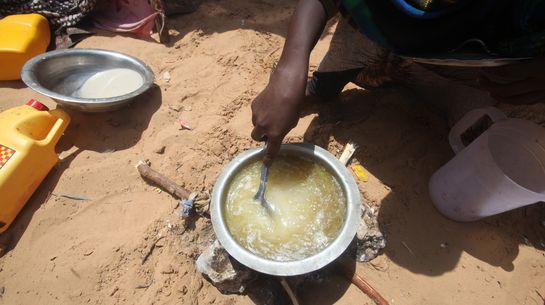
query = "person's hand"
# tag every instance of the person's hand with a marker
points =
(521, 83)
(275, 111)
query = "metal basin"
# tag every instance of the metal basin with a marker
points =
(60, 74)
(309, 264)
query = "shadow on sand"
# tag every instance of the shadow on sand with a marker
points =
(402, 143)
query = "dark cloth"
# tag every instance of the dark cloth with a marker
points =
(510, 28)
(328, 85)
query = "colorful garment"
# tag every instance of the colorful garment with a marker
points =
(61, 14)
(510, 28)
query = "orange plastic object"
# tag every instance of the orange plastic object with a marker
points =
(27, 153)
(22, 37)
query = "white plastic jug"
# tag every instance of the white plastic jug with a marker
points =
(502, 169)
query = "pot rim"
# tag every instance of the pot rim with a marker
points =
(311, 263)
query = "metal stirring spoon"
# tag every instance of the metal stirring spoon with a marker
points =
(260, 195)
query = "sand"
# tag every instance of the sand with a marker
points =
(90, 252)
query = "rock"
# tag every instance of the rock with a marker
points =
(369, 238)
(369, 247)
(160, 150)
(168, 269)
(114, 290)
(166, 76)
(173, 32)
(225, 273)
(233, 150)
(362, 229)
(217, 148)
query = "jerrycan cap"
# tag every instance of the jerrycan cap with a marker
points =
(37, 105)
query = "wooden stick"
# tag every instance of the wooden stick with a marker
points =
(363, 285)
(164, 182)
(368, 290)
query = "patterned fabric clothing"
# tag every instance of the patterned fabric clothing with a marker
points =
(60, 13)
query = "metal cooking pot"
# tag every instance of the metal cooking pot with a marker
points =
(309, 264)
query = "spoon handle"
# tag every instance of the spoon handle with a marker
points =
(263, 180)
(260, 195)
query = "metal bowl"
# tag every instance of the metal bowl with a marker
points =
(60, 74)
(309, 264)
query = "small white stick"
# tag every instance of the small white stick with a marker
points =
(408, 249)
(348, 152)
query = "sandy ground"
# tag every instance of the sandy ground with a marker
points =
(90, 252)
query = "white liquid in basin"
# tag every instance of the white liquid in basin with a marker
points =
(110, 83)
(309, 209)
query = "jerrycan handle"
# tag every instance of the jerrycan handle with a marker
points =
(63, 119)
(468, 120)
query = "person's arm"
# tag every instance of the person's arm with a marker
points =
(275, 111)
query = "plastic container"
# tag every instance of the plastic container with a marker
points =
(502, 169)
(27, 153)
(22, 37)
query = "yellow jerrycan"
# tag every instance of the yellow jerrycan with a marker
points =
(21, 38)
(28, 135)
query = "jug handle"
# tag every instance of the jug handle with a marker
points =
(58, 128)
(468, 120)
